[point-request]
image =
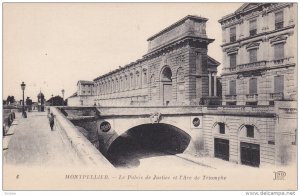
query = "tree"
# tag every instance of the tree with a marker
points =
(10, 99)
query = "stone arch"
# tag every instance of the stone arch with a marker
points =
(160, 138)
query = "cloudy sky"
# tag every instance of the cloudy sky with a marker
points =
(52, 46)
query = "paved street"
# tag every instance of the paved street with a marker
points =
(34, 144)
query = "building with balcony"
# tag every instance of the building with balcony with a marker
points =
(259, 54)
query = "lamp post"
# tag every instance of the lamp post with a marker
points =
(63, 94)
(52, 99)
(23, 85)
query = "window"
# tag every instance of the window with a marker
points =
(252, 28)
(221, 128)
(232, 60)
(250, 131)
(232, 87)
(232, 34)
(279, 51)
(252, 55)
(145, 78)
(278, 84)
(253, 86)
(279, 20)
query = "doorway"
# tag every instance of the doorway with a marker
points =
(222, 149)
(250, 154)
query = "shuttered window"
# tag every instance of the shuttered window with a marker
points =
(232, 60)
(279, 20)
(252, 55)
(279, 51)
(232, 87)
(278, 84)
(232, 34)
(253, 86)
(252, 27)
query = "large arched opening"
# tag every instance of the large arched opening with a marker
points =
(147, 140)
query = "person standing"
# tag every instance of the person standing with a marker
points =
(51, 120)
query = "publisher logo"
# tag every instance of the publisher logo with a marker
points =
(279, 175)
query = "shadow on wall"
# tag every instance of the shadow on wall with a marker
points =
(147, 140)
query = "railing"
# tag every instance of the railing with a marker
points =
(259, 65)
(252, 96)
(230, 97)
(283, 61)
(250, 66)
(276, 96)
(254, 109)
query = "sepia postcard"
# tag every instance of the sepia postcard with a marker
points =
(150, 96)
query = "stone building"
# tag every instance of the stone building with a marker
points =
(257, 123)
(175, 71)
(259, 53)
(84, 95)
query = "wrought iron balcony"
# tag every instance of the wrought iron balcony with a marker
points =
(276, 96)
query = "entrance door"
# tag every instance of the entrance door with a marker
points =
(167, 89)
(250, 154)
(222, 149)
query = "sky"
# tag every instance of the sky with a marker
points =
(50, 46)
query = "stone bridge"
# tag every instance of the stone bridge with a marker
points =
(188, 129)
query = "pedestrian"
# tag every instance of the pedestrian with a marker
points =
(51, 121)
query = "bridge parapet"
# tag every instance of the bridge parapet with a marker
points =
(149, 110)
(240, 110)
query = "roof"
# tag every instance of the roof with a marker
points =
(177, 24)
(213, 61)
(244, 8)
(85, 82)
(74, 95)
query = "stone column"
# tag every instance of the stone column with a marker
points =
(209, 84)
(215, 84)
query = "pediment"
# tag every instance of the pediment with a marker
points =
(279, 38)
(252, 45)
(246, 7)
(232, 50)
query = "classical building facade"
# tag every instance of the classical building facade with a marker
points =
(175, 71)
(256, 121)
(259, 53)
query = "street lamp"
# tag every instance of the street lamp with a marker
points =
(52, 99)
(23, 85)
(63, 94)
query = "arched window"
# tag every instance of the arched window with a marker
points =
(145, 76)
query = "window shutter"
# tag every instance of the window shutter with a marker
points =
(253, 86)
(252, 25)
(233, 61)
(232, 87)
(278, 84)
(253, 55)
(279, 17)
(279, 51)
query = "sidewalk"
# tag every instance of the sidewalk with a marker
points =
(32, 143)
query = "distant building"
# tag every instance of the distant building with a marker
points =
(84, 95)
